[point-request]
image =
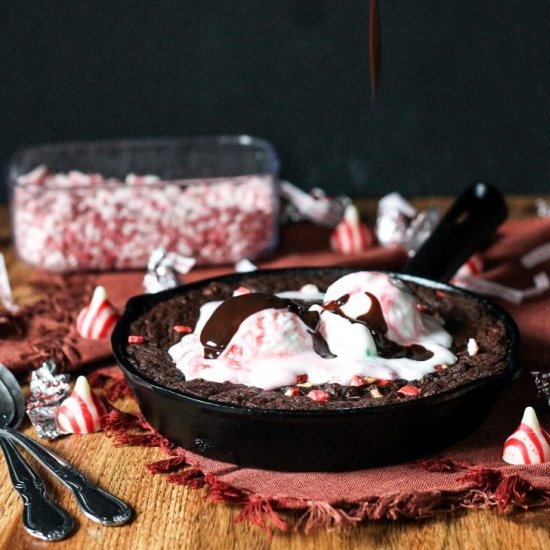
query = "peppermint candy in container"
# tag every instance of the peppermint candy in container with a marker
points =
(107, 205)
(81, 412)
(529, 444)
(97, 320)
(351, 235)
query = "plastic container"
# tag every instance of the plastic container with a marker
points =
(108, 205)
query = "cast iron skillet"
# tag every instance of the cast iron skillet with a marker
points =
(333, 440)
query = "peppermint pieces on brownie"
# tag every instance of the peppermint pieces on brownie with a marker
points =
(366, 326)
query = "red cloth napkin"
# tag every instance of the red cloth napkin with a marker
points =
(469, 474)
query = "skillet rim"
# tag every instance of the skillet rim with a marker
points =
(142, 303)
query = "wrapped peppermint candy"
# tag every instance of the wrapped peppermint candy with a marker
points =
(162, 270)
(541, 284)
(48, 390)
(315, 206)
(398, 222)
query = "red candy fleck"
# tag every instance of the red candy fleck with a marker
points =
(301, 379)
(239, 291)
(318, 395)
(292, 392)
(421, 308)
(383, 382)
(183, 329)
(408, 391)
(357, 381)
(135, 339)
(440, 293)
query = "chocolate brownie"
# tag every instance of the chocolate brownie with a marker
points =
(465, 317)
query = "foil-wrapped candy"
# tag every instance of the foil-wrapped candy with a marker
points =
(163, 268)
(398, 222)
(315, 206)
(48, 390)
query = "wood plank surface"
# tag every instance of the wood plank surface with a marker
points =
(169, 516)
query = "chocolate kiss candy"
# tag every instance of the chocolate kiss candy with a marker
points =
(80, 413)
(529, 444)
(98, 319)
(351, 235)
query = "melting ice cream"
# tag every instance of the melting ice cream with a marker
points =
(368, 325)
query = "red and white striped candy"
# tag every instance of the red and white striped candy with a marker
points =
(473, 266)
(80, 413)
(529, 444)
(351, 235)
(97, 320)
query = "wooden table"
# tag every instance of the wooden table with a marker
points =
(169, 516)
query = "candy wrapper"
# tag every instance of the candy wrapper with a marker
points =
(162, 270)
(314, 206)
(541, 283)
(398, 222)
(48, 390)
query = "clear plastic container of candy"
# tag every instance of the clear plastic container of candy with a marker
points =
(108, 205)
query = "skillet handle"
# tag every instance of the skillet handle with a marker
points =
(469, 223)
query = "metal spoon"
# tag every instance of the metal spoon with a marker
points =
(42, 517)
(95, 503)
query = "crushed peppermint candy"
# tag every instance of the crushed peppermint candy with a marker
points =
(408, 391)
(472, 347)
(134, 339)
(319, 395)
(375, 392)
(182, 329)
(357, 381)
(75, 221)
(239, 291)
(292, 392)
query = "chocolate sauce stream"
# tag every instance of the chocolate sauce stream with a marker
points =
(229, 315)
(375, 322)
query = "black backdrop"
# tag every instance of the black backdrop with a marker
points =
(463, 96)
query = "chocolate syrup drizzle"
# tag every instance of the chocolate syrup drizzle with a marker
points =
(375, 322)
(228, 316)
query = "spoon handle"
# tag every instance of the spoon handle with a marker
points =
(42, 517)
(95, 503)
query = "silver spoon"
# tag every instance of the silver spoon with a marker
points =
(95, 503)
(42, 517)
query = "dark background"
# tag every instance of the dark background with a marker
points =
(463, 96)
